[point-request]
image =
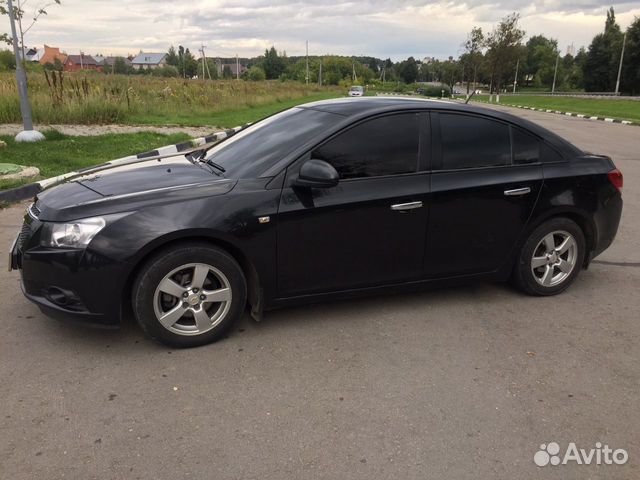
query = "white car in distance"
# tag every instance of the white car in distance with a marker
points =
(356, 91)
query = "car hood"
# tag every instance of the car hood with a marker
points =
(123, 187)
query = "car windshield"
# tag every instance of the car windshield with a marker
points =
(252, 151)
(356, 89)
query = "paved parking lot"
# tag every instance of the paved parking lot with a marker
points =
(449, 384)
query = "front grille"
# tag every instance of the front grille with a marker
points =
(25, 232)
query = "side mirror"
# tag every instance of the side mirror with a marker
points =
(317, 174)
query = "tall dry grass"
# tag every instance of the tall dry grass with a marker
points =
(79, 98)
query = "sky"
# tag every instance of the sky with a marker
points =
(385, 29)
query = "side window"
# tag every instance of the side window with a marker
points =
(526, 147)
(382, 146)
(469, 141)
(549, 154)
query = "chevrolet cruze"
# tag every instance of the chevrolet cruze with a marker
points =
(328, 199)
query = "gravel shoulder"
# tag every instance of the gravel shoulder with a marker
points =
(89, 130)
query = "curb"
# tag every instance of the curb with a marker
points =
(31, 189)
(568, 114)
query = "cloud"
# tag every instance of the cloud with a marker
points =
(382, 28)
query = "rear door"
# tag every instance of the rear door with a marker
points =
(485, 181)
(368, 230)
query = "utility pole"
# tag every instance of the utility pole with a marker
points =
(81, 56)
(624, 40)
(307, 74)
(28, 134)
(204, 62)
(515, 81)
(555, 73)
(355, 78)
(237, 68)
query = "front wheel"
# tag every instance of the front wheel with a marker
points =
(189, 295)
(551, 258)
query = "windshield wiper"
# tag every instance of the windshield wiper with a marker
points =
(215, 165)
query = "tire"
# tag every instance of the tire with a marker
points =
(542, 270)
(189, 295)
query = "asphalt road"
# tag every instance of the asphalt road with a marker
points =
(461, 383)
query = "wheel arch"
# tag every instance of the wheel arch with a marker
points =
(580, 217)
(254, 290)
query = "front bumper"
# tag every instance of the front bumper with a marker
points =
(68, 283)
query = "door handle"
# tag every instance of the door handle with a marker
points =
(517, 191)
(401, 207)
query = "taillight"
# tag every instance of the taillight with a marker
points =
(615, 177)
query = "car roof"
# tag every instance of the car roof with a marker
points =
(366, 106)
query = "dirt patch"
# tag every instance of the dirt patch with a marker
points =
(90, 130)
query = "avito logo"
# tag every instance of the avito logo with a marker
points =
(549, 454)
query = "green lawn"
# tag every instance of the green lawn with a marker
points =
(226, 118)
(612, 108)
(60, 154)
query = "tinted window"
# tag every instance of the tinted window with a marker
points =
(548, 154)
(252, 151)
(526, 147)
(469, 141)
(382, 146)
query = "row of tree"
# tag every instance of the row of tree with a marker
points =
(498, 59)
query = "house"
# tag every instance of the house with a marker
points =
(149, 60)
(75, 63)
(33, 54)
(232, 66)
(108, 63)
(50, 55)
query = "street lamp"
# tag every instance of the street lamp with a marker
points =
(28, 134)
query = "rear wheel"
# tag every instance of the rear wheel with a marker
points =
(551, 258)
(189, 295)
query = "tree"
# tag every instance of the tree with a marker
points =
(450, 70)
(19, 14)
(408, 70)
(472, 57)
(540, 60)
(601, 65)
(7, 60)
(172, 57)
(120, 66)
(503, 49)
(273, 64)
(187, 64)
(631, 66)
(227, 73)
(256, 74)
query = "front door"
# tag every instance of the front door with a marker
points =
(368, 230)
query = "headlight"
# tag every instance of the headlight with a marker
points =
(75, 234)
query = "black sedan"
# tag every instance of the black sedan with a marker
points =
(329, 199)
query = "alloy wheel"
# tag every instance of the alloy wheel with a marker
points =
(554, 258)
(192, 299)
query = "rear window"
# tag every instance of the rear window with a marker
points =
(469, 141)
(526, 147)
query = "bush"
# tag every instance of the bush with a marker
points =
(7, 60)
(256, 74)
(434, 90)
(165, 71)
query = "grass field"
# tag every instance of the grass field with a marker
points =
(79, 98)
(61, 154)
(602, 107)
(225, 118)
